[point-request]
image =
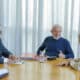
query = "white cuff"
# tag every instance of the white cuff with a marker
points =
(5, 60)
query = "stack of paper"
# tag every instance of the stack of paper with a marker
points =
(3, 72)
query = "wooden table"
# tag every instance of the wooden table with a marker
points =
(34, 70)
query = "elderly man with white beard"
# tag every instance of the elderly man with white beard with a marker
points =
(56, 45)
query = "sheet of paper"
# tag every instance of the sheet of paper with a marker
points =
(16, 61)
(19, 62)
(3, 71)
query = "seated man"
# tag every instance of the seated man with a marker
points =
(5, 53)
(55, 45)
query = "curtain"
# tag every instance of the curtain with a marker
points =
(27, 22)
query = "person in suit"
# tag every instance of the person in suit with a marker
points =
(56, 45)
(5, 53)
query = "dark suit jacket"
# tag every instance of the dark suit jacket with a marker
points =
(3, 52)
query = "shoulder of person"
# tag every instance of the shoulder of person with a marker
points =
(65, 40)
(48, 38)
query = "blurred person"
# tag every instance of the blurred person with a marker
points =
(56, 45)
(5, 54)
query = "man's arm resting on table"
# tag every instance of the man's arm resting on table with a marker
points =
(42, 47)
(69, 51)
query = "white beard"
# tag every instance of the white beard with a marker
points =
(56, 38)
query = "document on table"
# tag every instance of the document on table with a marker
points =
(16, 62)
(3, 72)
(19, 62)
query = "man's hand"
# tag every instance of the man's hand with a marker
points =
(64, 63)
(61, 55)
(10, 60)
(12, 57)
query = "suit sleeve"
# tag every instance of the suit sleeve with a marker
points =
(5, 51)
(69, 51)
(42, 47)
(1, 60)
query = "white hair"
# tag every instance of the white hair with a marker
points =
(56, 26)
